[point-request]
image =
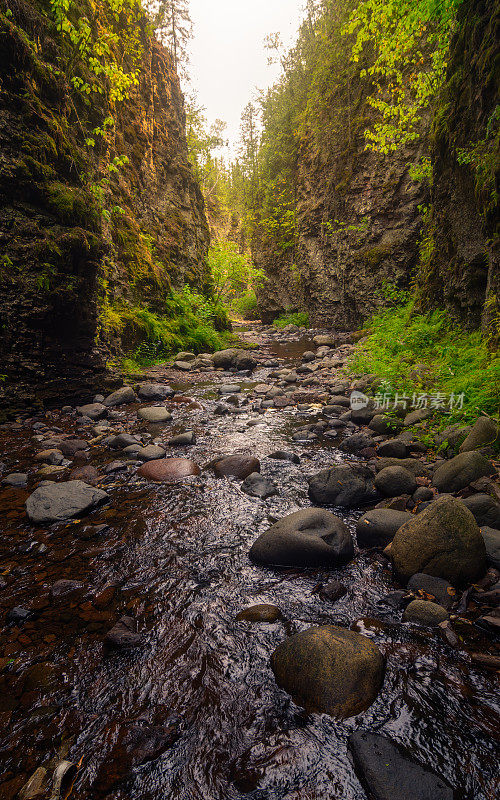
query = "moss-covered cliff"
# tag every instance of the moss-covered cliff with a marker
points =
(78, 250)
(461, 269)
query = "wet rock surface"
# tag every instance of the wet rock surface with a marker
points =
(136, 636)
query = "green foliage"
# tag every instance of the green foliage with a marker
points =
(412, 352)
(409, 41)
(299, 318)
(233, 274)
(246, 305)
(188, 321)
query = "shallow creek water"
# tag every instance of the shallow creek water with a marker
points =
(176, 558)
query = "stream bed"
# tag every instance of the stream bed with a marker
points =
(194, 713)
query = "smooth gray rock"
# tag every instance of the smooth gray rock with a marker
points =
(357, 442)
(383, 423)
(343, 485)
(484, 509)
(393, 481)
(124, 395)
(311, 537)
(15, 479)
(55, 502)
(378, 527)
(411, 464)
(122, 440)
(425, 612)
(393, 448)
(283, 455)
(491, 538)
(258, 486)
(182, 439)
(414, 417)
(389, 774)
(149, 453)
(459, 472)
(154, 414)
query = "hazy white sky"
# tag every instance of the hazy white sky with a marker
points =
(228, 60)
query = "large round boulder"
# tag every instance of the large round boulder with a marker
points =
(168, 470)
(311, 537)
(460, 471)
(329, 670)
(443, 540)
(491, 538)
(343, 485)
(425, 612)
(485, 510)
(378, 527)
(485, 433)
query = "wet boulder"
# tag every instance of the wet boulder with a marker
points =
(329, 670)
(425, 612)
(389, 774)
(237, 465)
(311, 537)
(378, 527)
(436, 588)
(123, 635)
(383, 423)
(55, 502)
(92, 411)
(343, 485)
(182, 439)
(124, 395)
(394, 481)
(121, 441)
(69, 447)
(155, 391)
(485, 433)
(168, 470)
(444, 541)
(394, 448)
(258, 486)
(459, 472)
(414, 466)
(357, 442)
(149, 453)
(284, 455)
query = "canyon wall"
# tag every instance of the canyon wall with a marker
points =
(76, 257)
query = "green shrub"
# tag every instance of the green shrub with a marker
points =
(299, 318)
(412, 352)
(246, 306)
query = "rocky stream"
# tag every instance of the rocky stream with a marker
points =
(153, 638)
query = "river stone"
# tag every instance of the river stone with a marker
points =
(154, 414)
(264, 612)
(69, 447)
(54, 502)
(389, 774)
(491, 538)
(324, 340)
(230, 388)
(123, 634)
(182, 439)
(394, 448)
(357, 442)
(460, 471)
(414, 417)
(149, 453)
(237, 465)
(485, 432)
(484, 509)
(168, 470)
(184, 366)
(329, 670)
(311, 537)
(343, 485)
(284, 455)
(411, 464)
(394, 481)
(443, 540)
(225, 358)
(124, 395)
(442, 591)
(122, 440)
(92, 411)
(155, 391)
(257, 486)
(15, 479)
(378, 527)
(425, 612)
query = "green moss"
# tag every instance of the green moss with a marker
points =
(375, 255)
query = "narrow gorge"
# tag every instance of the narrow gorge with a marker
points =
(249, 401)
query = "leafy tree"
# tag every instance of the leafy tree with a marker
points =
(174, 26)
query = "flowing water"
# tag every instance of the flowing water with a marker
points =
(176, 558)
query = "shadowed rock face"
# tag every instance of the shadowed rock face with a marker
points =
(329, 669)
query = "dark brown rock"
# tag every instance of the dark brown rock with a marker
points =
(238, 465)
(168, 470)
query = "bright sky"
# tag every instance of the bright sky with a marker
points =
(228, 59)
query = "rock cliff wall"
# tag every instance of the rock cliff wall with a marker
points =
(73, 255)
